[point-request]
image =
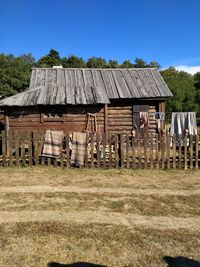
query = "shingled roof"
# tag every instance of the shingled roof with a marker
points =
(59, 86)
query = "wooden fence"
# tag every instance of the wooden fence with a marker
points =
(113, 151)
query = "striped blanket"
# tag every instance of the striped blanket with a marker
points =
(52, 143)
(79, 149)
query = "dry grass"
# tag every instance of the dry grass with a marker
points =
(35, 244)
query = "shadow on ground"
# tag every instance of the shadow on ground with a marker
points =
(180, 262)
(76, 264)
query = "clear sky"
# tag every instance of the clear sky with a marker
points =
(167, 31)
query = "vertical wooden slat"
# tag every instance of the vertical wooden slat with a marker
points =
(86, 152)
(98, 150)
(168, 150)
(17, 148)
(30, 152)
(145, 151)
(121, 150)
(116, 152)
(139, 150)
(104, 149)
(127, 152)
(4, 141)
(197, 152)
(179, 150)
(10, 146)
(35, 145)
(157, 153)
(151, 152)
(174, 151)
(163, 151)
(133, 153)
(191, 151)
(67, 150)
(185, 152)
(92, 150)
(61, 154)
(110, 150)
(106, 120)
(42, 144)
(24, 141)
(48, 162)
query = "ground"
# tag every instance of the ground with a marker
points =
(110, 217)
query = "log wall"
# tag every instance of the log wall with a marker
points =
(115, 118)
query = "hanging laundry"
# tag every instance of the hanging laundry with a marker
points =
(52, 144)
(143, 119)
(79, 149)
(160, 118)
(183, 121)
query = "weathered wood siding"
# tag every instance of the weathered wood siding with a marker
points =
(116, 117)
(74, 118)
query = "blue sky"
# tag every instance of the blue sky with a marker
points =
(165, 31)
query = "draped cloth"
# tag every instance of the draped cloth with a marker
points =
(182, 121)
(79, 149)
(52, 144)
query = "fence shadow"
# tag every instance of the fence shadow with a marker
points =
(76, 264)
(180, 262)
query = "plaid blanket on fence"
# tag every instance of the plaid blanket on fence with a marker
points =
(52, 143)
(79, 149)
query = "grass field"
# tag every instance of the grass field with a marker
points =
(108, 217)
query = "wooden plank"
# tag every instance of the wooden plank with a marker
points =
(42, 143)
(104, 149)
(3, 136)
(98, 150)
(179, 150)
(185, 152)
(92, 150)
(35, 145)
(133, 153)
(17, 148)
(30, 152)
(23, 152)
(127, 152)
(121, 151)
(67, 150)
(197, 152)
(145, 152)
(86, 152)
(174, 150)
(116, 151)
(10, 143)
(110, 149)
(106, 120)
(191, 151)
(151, 152)
(61, 155)
(163, 151)
(139, 151)
(157, 153)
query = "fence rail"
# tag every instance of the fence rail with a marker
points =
(19, 148)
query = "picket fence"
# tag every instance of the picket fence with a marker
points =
(160, 151)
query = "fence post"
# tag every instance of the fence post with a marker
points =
(185, 151)
(197, 152)
(174, 151)
(191, 151)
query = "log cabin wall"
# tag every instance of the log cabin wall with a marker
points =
(118, 116)
(69, 119)
(121, 119)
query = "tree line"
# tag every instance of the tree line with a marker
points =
(15, 76)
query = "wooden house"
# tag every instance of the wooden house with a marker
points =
(103, 100)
